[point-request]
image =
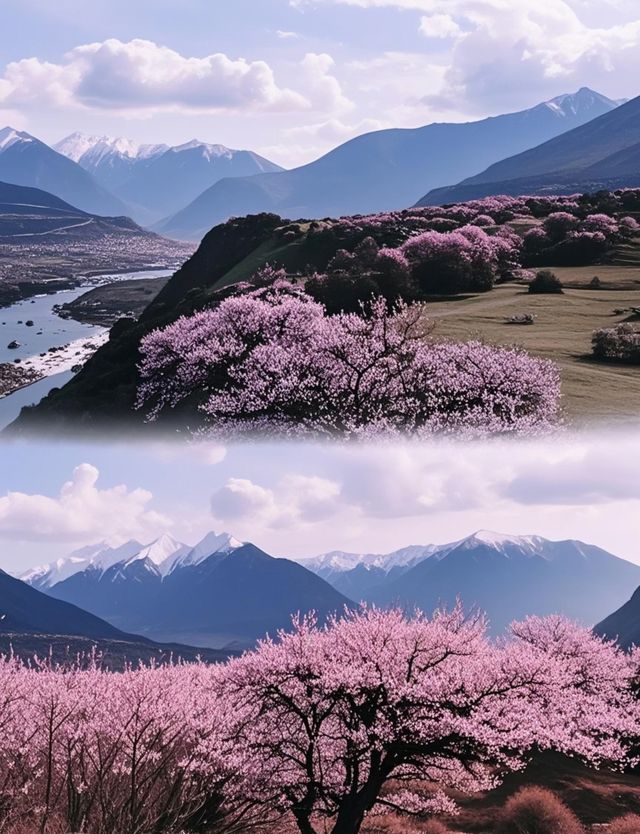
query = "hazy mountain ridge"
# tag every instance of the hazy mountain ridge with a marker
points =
(154, 180)
(25, 160)
(223, 592)
(623, 625)
(386, 169)
(603, 153)
(218, 593)
(506, 576)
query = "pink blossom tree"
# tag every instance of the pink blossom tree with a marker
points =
(340, 722)
(325, 725)
(272, 361)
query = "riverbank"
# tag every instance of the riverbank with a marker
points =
(56, 360)
(49, 348)
(14, 377)
(104, 304)
(28, 270)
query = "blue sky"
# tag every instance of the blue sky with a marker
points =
(296, 500)
(294, 78)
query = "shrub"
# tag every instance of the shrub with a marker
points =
(629, 226)
(483, 220)
(535, 810)
(463, 261)
(545, 282)
(621, 343)
(342, 292)
(595, 283)
(629, 824)
(440, 263)
(536, 240)
(559, 224)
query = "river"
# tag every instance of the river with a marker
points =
(48, 331)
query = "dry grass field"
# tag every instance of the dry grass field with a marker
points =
(593, 392)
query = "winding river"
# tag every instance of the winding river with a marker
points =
(48, 330)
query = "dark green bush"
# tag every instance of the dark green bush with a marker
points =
(545, 282)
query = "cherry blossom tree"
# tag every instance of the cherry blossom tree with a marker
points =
(340, 722)
(272, 361)
(374, 711)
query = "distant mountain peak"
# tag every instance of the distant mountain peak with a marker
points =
(497, 539)
(9, 136)
(574, 104)
(91, 149)
(209, 151)
(98, 557)
(206, 547)
(163, 553)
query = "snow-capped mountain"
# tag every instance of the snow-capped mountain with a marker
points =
(505, 575)
(584, 101)
(9, 136)
(355, 574)
(597, 154)
(337, 561)
(26, 161)
(220, 592)
(162, 556)
(181, 173)
(210, 544)
(98, 556)
(150, 178)
(90, 150)
(162, 553)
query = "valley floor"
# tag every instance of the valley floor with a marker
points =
(592, 391)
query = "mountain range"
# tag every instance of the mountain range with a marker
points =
(223, 593)
(386, 169)
(184, 190)
(116, 177)
(25, 160)
(156, 180)
(601, 154)
(34, 623)
(506, 576)
(220, 593)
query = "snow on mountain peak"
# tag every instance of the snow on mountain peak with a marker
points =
(571, 104)
(210, 544)
(100, 556)
(208, 151)
(493, 538)
(9, 136)
(80, 146)
(340, 561)
(163, 552)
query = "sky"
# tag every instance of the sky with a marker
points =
(291, 79)
(300, 500)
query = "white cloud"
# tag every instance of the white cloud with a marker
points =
(81, 511)
(322, 88)
(506, 54)
(285, 35)
(294, 500)
(141, 74)
(439, 26)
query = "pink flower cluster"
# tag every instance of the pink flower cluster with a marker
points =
(272, 361)
(620, 343)
(311, 727)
